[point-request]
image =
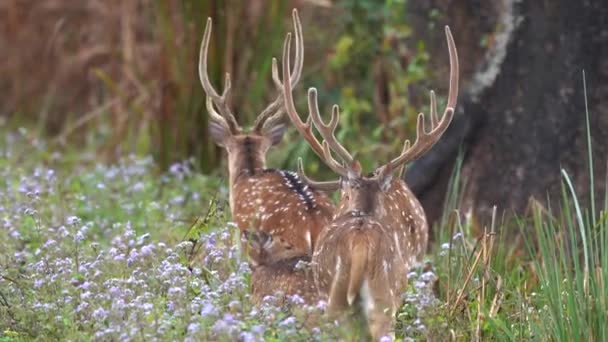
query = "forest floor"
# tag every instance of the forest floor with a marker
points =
(123, 251)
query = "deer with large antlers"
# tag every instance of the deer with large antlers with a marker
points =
(379, 229)
(274, 201)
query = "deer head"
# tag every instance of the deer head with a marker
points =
(278, 267)
(246, 150)
(349, 169)
(379, 228)
(264, 249)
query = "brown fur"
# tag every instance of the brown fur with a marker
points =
(276, 202)
(362, 258)
(359, 257)
(396, 207)
(264, 201)
(275, 268)
(273, 201)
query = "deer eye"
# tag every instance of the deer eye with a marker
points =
(285, 244)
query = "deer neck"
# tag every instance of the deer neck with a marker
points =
(243, 164)
(248, 159)
(364, 204)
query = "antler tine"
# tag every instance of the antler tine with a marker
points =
(424, 141)
(276, 109)
(305, 129)
(433, 110)
(329, 139)
(453, 93)
(214, 115)
(406, 146)
(218, 101)
(324, 186)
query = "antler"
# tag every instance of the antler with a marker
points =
(325, 186)
(329, 139)
(213, 98)
(305, 128)
(275, 110)
(424, 141)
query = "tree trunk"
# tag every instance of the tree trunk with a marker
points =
(521, 112)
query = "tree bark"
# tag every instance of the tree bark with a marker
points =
(521, 113)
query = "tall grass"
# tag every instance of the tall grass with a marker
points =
(556, 289)
(572, 254)
(480, 275)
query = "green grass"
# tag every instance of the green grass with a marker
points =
(572, 254)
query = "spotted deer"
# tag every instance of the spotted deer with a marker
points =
(274, 201)
(379, 229)
(278, 267)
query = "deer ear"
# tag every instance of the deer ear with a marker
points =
(385, 182)
(385, 177)
(265, 239)
(274, 132)
(248, 236)
(354, 171)
(219, 131)
(258, 239)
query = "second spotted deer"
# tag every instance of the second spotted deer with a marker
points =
(379, 229)
(274, 201)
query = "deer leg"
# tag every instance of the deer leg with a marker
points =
(380, 311)
(337, 302)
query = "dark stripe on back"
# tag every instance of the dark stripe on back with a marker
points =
(294, 183)
(248, 145)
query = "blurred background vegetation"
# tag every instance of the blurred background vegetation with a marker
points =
(121, 76)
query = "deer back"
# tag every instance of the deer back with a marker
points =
(402, 216)
(279, 203)
(405, 221)
(356, 265)
(347, 235)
